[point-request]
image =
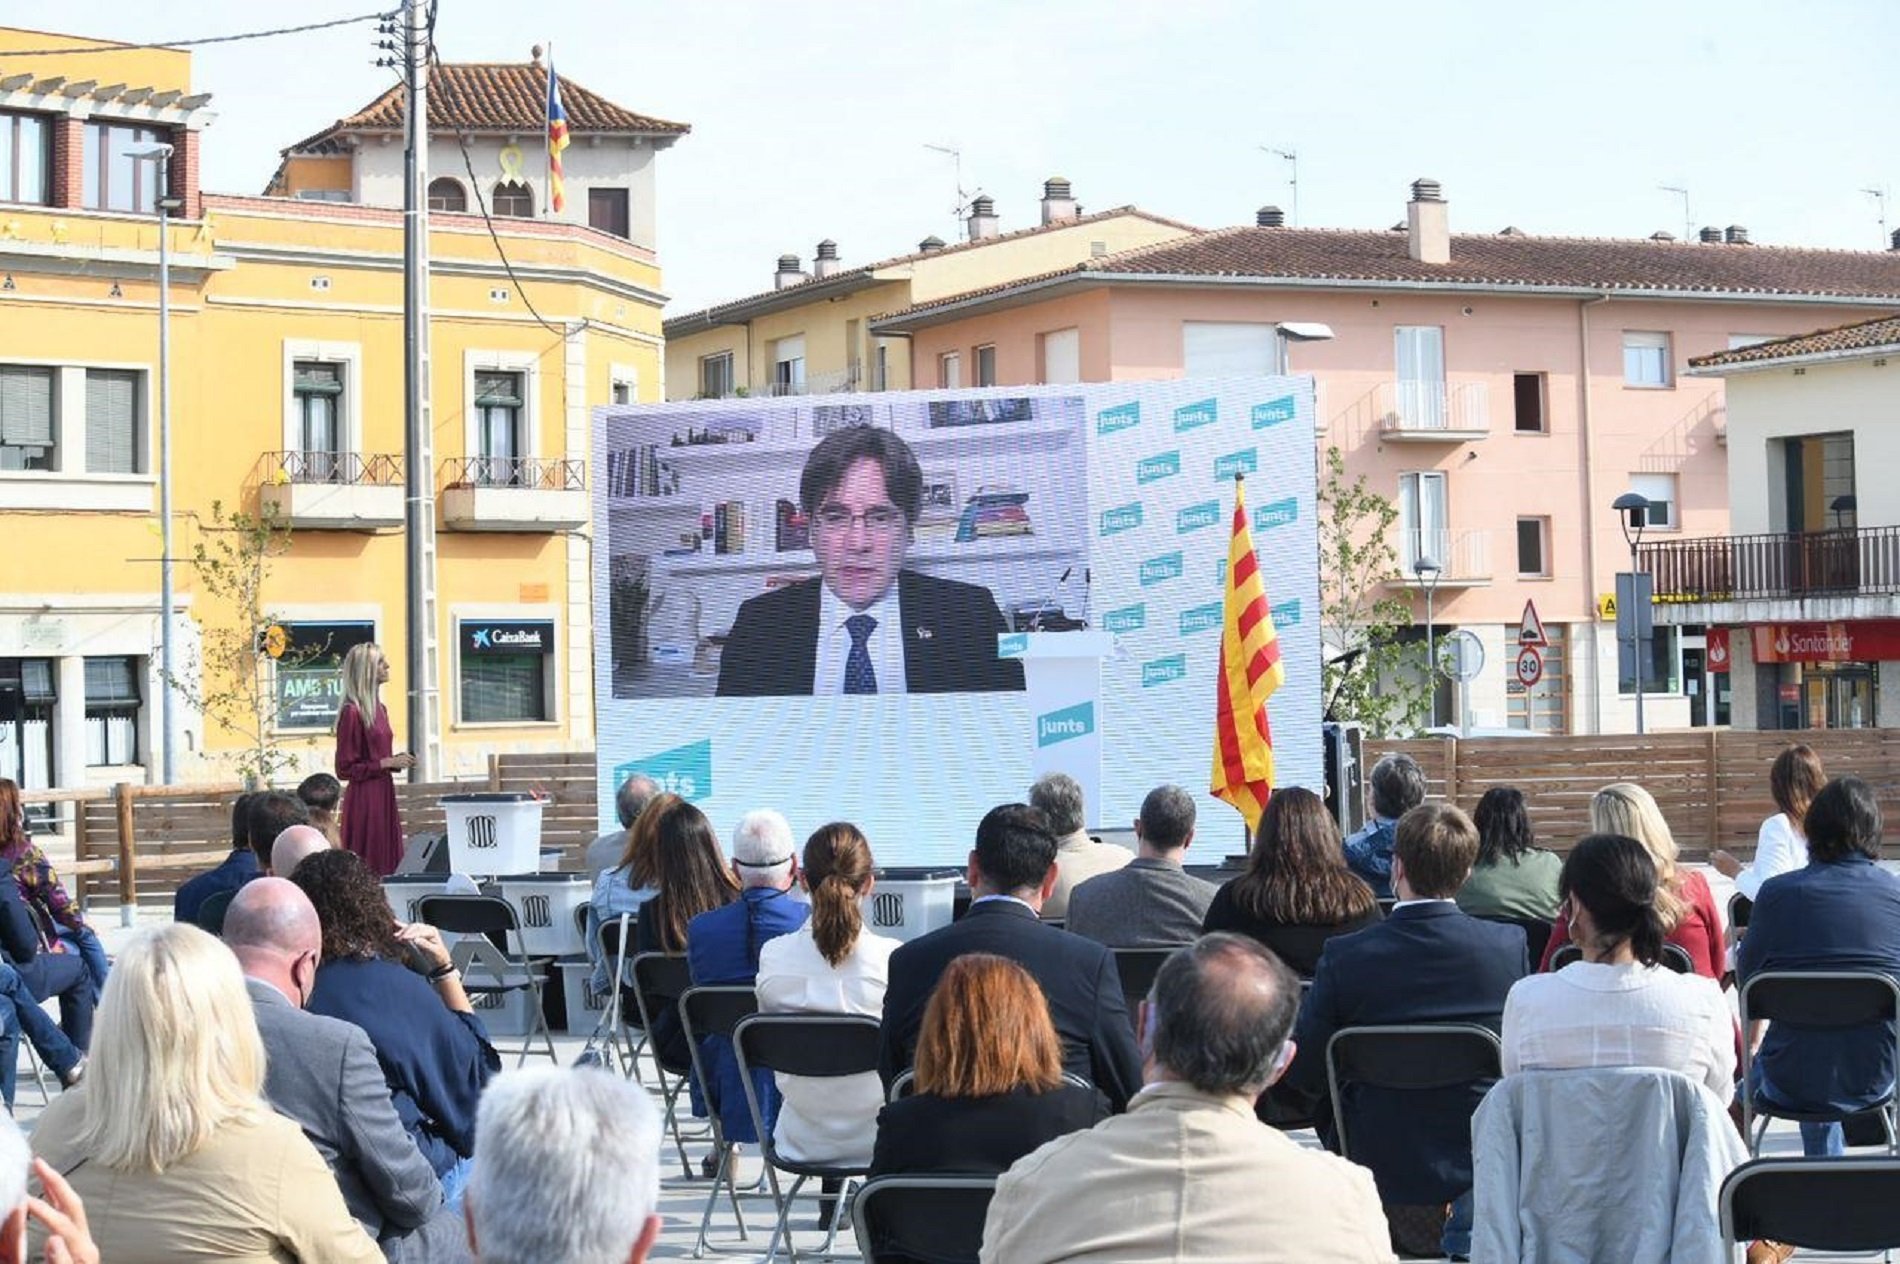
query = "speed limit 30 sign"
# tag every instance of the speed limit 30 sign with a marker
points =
(1530, 666)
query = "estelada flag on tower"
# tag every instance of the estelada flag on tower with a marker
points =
(1250, 671)
(557, 141)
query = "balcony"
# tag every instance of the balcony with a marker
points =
(1463, 558)
(1851, 572)
(492, 493)
(839, 382)
(332, 491)
(1426, 411)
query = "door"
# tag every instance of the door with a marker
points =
(1419, 353)
(1695, 683)
(1424, 521)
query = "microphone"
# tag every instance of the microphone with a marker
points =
(1088, 589)
(1042, 608)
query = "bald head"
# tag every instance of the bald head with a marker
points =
(1223, 1007)
(293, 845)
(272, 915)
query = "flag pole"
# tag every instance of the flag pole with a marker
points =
(547, 136)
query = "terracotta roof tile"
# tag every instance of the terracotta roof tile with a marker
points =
(1882, 331)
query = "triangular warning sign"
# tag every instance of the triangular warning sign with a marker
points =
(1531, 630)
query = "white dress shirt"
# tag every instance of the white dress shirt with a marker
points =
(1593, 1015)
(1779, 848)
(885, 644)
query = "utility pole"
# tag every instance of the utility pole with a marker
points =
(418, 455)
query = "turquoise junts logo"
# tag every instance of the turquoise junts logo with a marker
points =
(1120, 417)
(1286, 614)
(1160, 671)
(1194, 517)
(1127, 619)
(1201, 618)
(1157, 570)
(1121, 518)
(1273, 412)
(1194, 416)
(1245, 461)
(684, 770)
(1012, 644)
(1276, 514)
(1066, 724)
(1160, 465)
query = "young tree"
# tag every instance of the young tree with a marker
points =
(1371, 675)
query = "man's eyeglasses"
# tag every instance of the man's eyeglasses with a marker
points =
(878, 519)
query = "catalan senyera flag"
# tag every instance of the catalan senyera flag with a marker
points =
(1250, 671)
(557, 141)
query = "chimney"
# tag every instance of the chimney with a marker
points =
(1058, 203)
(789, 273)
(1269, 217)
(1427, 224)
(930, 245)
(1711, 236)
(1660, 236)
(1894, 240)
(825, 262)
(982, 221)
(1737, 235)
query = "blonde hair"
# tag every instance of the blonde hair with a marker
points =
(176, 1055)
(1626, 808)
(359, 680)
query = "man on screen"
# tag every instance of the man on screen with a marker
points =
(866, 625)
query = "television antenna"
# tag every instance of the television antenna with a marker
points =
(1292, 157)
(962, 208)
(1688, 219)
(1880, 202)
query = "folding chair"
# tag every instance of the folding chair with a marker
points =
(1843, 1204)
(659, 980)
(1674, 957)
(1827, 1000)
(934, 1218)
(1137, 968)
(1412, 1056)
(483, 958)
(1740, 907)
(717, 1011)
(616, 939)
(818, 1046)
(905, 1084)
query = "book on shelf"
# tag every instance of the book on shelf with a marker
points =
(728, 527)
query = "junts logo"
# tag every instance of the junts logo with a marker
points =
(536, 911)
(481, 831)
(887, 909)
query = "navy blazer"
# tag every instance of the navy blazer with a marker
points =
(1425, 963)
(1077, 976)
(232, 873)
(1840, 915)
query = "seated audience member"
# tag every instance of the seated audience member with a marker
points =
(1427, 962)
(1012, 870)
(1618, 1007)
(988, 1084)
(323, 1074)
(170, 1142)
(62, 927)
(61, 1214)
(41, 972)
(609, 850)
(1189, 1173)
(690, 877)
(1152, 901)
(723, 946)
(1682, 895)
(626, 885)
(293, 845)
(830, 965)
(433, 1049)
(569, 1170)
(268, 814)
(232, 872)
(1841, 912)
(1781, 846)
(1296, 892)
(320, 793)
(1078, 856)
(1514, 877)
(21, 1015)
(1397, 785)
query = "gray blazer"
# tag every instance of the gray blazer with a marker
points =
(1144, 904)
(322, 1073)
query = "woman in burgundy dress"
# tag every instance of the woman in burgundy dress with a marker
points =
(365, 762)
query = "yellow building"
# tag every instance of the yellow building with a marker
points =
(809, 334)
(287, 397)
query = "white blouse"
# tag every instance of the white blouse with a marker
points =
(1780, 848)
(826, 1120)
(1594, 1015)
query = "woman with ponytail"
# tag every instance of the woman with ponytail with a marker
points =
(830, 965)
(1618, 1007)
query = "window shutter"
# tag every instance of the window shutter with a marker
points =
(315, 378)
(1211, 349)
(111, 422)
(36, 680)
(26, 406)
(498, 390)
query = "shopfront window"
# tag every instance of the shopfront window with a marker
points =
(307, 684)
(27, 697)
(505, 671)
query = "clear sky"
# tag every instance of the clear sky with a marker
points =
(810, 117)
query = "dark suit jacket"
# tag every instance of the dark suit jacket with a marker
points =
(1426, 963)
(949, 633)
(1077, 976)
(1839, 916)
(232, 872)
(980, 1136)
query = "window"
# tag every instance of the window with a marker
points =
(1527, 394)
(1533, 546)
(111, 178)
(1209, 349)
(306, 686)
(505, 671)
(1660, 491)
(28, 698)
(323, 195)
(715, 376)
(512, 200)
(607, 211)
(447, 194)
(317, 388)
(788, 366)
(26, 154)
(499, 425)
(1419, 355)
(950, 370)
(1662, 665)
(1061, 357)
(986, 365)
(623, 389)
(27, 436)
(112, 422)
(1646, 359)
(112, 712)
(881, 368)
(1424, 521)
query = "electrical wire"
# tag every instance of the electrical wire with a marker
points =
(197, 43)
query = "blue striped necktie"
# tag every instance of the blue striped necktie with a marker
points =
(859, 677)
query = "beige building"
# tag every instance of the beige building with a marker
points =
(810, 333)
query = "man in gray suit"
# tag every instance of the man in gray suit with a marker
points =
(1152, 902)
(323, 1074)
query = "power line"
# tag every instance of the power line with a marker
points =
(194, 43)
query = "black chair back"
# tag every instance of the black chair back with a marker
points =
(1820, 1000)
(1676, 957)
(1410, 1057)
(1565, 954)
(488, 915)
(818, 1045)
(1137, 968)
(717, 1011)
(932, 1219)
(1536, 933)
(1841, 1204)
(1740, 907)
(659, 980)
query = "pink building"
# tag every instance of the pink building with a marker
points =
(1503, 389)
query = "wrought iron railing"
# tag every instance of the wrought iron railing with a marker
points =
(1842, 562)
(348, 468)
(533, 473)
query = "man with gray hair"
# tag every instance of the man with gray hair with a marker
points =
(567, 1168)
(1397, 786)
(1151, 902)
(630, 800)
(1214, 1035)
(1079, 857)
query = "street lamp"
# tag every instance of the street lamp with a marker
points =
(1426, 571)
(160, 155)
(1632, 510)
